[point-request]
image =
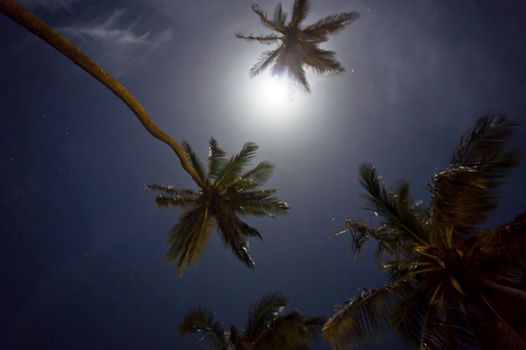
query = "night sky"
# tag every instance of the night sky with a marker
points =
(83, 243)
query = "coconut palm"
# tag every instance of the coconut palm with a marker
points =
(228, 190)
(453, 284)
(267, 327)
(298, 45)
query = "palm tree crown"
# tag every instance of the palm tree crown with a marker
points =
(267, 327)
(453, 284)
(228, 190)
(299, 46)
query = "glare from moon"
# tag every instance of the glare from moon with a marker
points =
(274, 97)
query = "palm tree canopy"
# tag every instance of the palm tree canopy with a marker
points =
(228, 190)
(268, 327)
(298, 46)
(453, 284)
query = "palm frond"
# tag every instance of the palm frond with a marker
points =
(189, 236)
(280, 17)
(264, 19)
(464, 193)
(255, 177)
(196, 163)
(265, 60)
(232, 169)
(300, 10)
(258, 203)
(331, 24)
(216, 159)
(322, 61)
(262, 312)
(286, 331)
(171, 196)
(263, 39)
(396, 208)
(500, 254)
(366, 315)
(202, 322)
(486, 143)
(447, 327)
(293, 67)
(233, 232)
(361, 233)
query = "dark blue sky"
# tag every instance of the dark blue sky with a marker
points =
(82, 243)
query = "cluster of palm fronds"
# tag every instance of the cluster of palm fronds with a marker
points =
(227, 191)
(453, 284)
(298, 46)
(268, 327)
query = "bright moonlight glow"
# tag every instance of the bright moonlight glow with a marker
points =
(273, 90)
(274, 98)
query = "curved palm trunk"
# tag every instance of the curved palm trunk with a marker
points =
(35, 25)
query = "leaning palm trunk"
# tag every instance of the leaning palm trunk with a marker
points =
(35, 25)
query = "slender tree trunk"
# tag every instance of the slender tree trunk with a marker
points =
(35, 25)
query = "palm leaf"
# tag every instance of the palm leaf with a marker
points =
(216, 159)
(361, 233)
(464, 193)
(331, 24)
(287, 332)
(396, 208)
(171, 196)
(289, 62)
(189, 236)
(232, 169)
(300, 11)
(232, 231)
(264, 20)
(280, 17)
(265, 60)
(202, 321)
(322, 61)
(266, 39)
(258, 203)
(366, 315)
(255, 177)
(262, 312)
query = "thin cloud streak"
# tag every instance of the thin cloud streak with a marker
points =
(114, 41)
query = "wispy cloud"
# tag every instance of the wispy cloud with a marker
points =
(52, 5)
(113, 41)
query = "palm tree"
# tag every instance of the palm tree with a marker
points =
(453, 284)
(231, 192)
(298, 46)
(228, 190)
(267, 327)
